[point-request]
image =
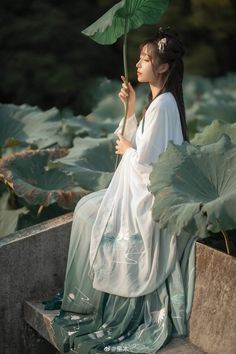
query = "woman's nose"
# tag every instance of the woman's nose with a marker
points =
(138, 64)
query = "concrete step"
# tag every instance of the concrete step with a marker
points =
(40, 320)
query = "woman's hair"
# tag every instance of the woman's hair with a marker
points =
(165, 47)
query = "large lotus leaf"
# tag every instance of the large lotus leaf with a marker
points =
(9, 218)
(90, 162)
(11, 131)
(213, 132)
(42, 127)
(108, 28)
(25, 124)
(195, 188)
(108, 108)
(85, 126)
(26, 174)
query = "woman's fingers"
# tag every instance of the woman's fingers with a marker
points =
(131, 87)
(120, 136)
(124, 92)
(127, 93)
(118, 140)
(122, 144)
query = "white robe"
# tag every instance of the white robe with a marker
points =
(129, 255)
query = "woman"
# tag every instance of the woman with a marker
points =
(128, 283)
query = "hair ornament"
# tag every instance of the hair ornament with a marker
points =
(161, 44)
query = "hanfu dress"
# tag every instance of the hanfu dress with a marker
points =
(129, 284)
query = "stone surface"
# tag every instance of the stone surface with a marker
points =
(40, 320)
(212, 324)
(180, 346)
(32, 264)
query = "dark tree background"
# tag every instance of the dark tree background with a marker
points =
(46, 61)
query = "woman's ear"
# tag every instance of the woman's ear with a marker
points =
(163, 68)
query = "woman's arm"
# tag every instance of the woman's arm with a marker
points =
(130, 129)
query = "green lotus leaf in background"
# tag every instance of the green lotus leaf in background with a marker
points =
(207, 100)
(26, 174)
(90, 162)
(213, 132)
(226, 84)
(111, 26)
(194, 88)
(215, 105)
(8, 217)
(11, 132)
(195, 188)
(28, 125)
(92, 125)
(42, 127)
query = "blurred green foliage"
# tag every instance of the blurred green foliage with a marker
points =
(46, 61)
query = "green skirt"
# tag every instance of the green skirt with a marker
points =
(91, 321)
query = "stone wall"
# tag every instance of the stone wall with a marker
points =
(212, 324)
(32, 265)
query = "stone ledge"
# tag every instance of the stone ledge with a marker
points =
(40, 320)
(43, 227)
(33, 263)
(180, 346)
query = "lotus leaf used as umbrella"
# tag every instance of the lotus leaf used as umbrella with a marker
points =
(26, 174)
(213, 132)
(119, 20)
(90, 162)
(108, 28)
(195, 188)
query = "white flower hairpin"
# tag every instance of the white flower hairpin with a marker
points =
(162, 44)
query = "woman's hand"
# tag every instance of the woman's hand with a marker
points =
(122, 145)
(127, 91)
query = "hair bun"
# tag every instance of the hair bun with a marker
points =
(168, 33)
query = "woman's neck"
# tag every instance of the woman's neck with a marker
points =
(155, 89)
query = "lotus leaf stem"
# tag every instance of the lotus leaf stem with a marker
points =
(40, 209)
(227, 241)
(125, 72)
(126, 81)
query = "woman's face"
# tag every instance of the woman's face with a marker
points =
(145, 71)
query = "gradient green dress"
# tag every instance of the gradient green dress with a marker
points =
(129, 284)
